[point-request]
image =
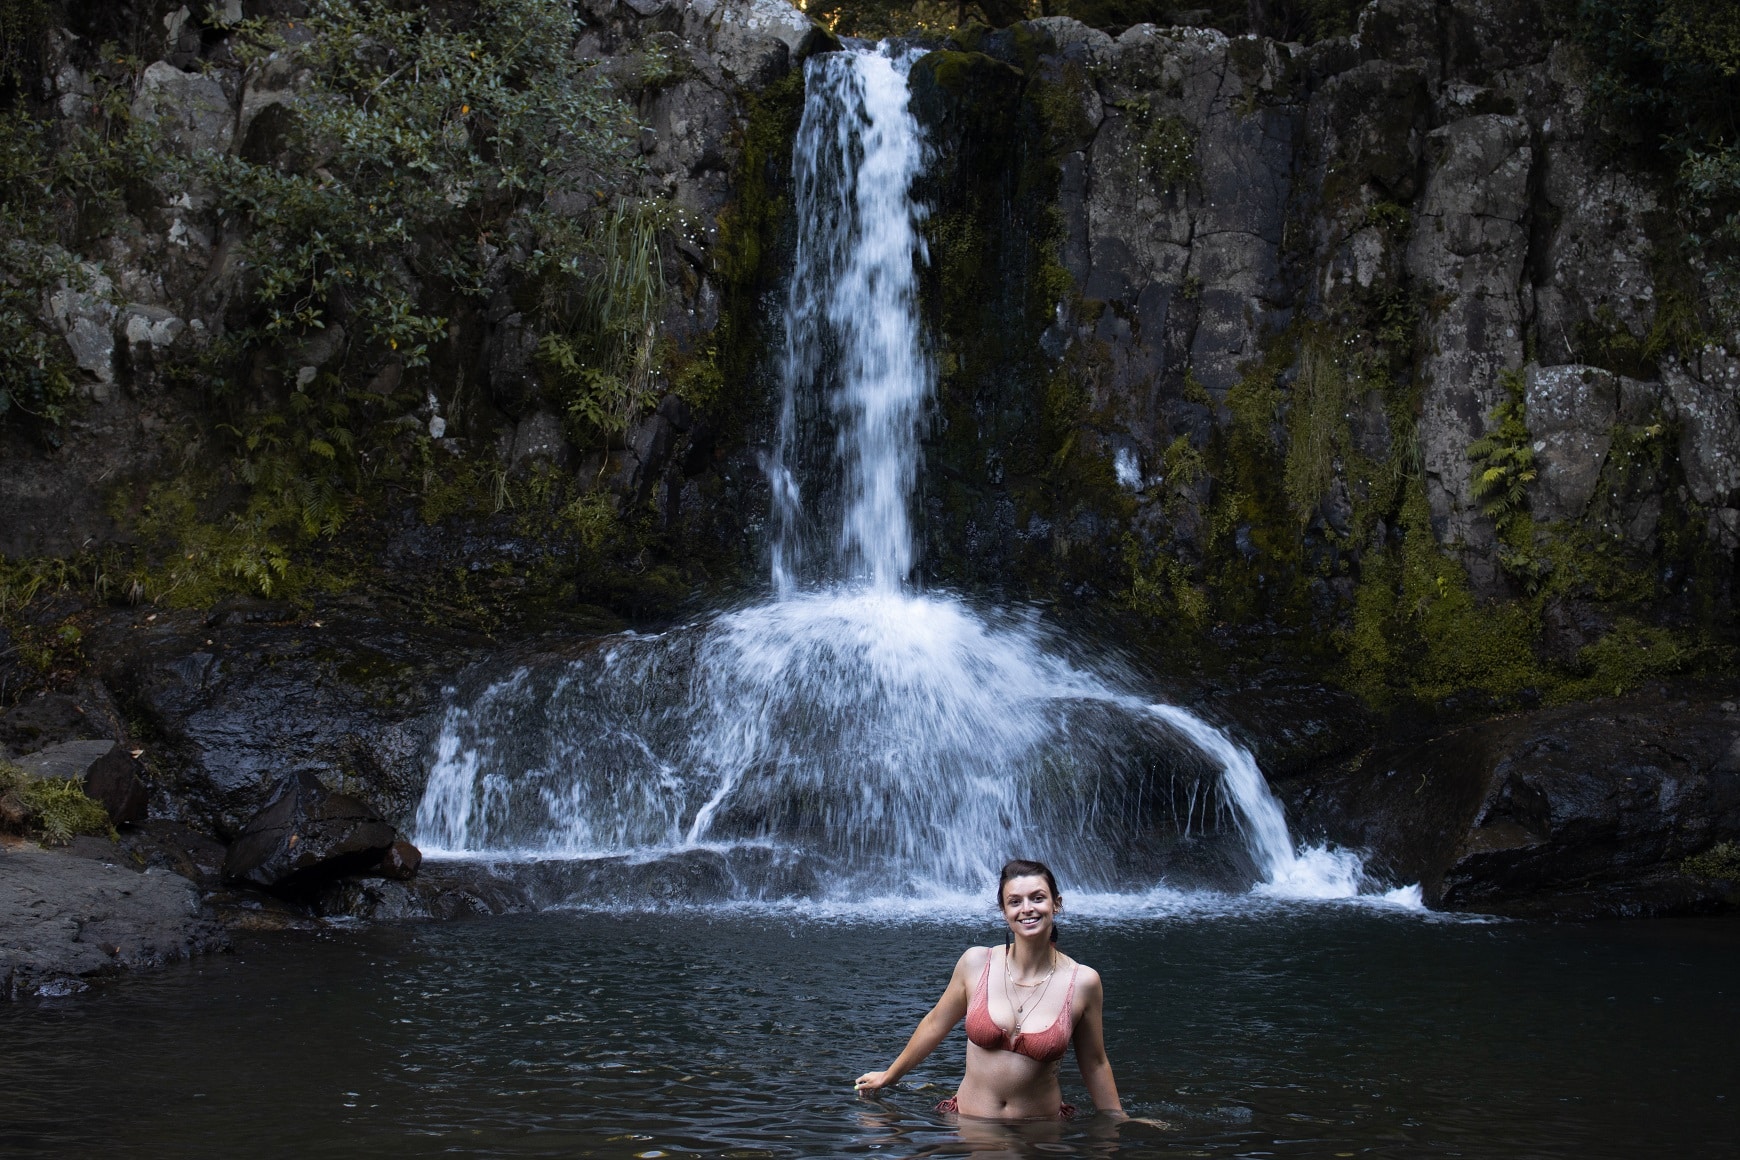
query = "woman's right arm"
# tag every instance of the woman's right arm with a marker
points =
(932, 1029)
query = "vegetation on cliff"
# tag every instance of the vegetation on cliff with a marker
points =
(411, 175)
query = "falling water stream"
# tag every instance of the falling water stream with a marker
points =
(883, 739)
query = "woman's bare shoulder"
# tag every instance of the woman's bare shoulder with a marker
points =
(972, 958)
(1087, 979)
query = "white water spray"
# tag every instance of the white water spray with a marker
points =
(890, 740)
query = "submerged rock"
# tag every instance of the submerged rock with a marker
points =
(1583, 811)
(307, 834)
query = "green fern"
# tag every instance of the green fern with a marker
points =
(56, 809)
(1504, 458)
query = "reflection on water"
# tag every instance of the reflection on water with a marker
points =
(1279, 1032)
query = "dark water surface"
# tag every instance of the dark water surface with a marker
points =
(1281, 1031)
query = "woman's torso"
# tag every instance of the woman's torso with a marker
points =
(1013, 1075)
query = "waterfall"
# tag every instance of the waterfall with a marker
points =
(893, 741)
(851, 333)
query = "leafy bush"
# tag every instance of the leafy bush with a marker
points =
(1720, 861)
(422, 165)
(601, 301)
(424, 155)
(59, 184)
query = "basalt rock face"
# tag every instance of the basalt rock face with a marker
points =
(1222, 322)
(1585, 811)
(66, 916)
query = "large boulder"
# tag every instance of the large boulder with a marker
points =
(307, 835)
(238, 698)
(1582, 811)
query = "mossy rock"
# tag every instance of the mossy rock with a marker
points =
(954, 91)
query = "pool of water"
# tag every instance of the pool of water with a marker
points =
(1272, 1030)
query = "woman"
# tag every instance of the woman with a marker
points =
(1024, 1003)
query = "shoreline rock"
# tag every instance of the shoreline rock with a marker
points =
(1583, 811)
(71, 915)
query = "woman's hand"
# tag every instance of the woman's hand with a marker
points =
(870, 1083)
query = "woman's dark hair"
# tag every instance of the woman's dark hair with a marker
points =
(1027, 868)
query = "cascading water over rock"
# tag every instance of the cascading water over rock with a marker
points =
(886, 739)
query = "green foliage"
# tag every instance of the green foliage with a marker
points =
(873, 19)
(1391, 218)
(1317, 433)
(1720, 861)
(1504, 456)
(422, 165)
(1418, 631)
(422, 153)
(55, 809)
(748, 227)
(602, 349)
(1667, 74)
(1161, 588)
(1629, 654)
(249, 552)
(1167, 151)
(23, 24)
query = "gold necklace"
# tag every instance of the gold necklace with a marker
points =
(1035, 1000)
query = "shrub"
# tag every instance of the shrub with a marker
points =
(422, 155)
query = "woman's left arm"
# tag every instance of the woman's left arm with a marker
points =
(1090, 1048)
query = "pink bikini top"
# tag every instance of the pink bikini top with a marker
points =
(1046, 1046)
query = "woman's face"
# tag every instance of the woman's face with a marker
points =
(1029, 906)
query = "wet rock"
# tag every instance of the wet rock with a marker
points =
(250, 910)
(241, 699)
(306, 834)
(459, 889)
(1291, 726)
(401, 860)
(114, 781)
(50, 719)
(177, 848)
(1581, 811)
(65, 919)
